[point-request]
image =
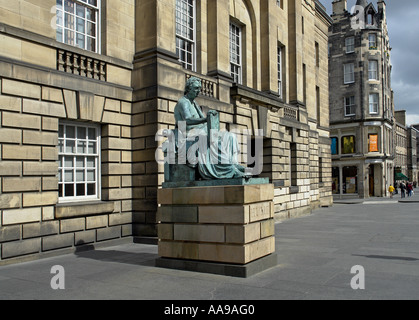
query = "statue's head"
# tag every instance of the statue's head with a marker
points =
(193, 86)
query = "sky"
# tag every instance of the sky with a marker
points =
(403, 28)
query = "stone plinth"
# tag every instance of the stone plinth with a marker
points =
(229, 225)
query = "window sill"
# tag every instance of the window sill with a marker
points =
(83, 209)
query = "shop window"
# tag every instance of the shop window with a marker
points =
(373, 143)
(350, 180)
(335, 146)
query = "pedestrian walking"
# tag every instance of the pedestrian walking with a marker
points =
(409, 189)
(391, 190)
(402, 190)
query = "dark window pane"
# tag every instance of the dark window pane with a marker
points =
(69, 190)
(80, 189)
(91, 189)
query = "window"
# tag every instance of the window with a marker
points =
(317, 51)
(373, 100)
(185, 33)
(302, 25)
(348, 144)
(348, 73)
(304, 84)
(79, 163)
(293, 164)
(350, 44)
(373, 142)
(78, 23)
(350, 180)
(278, 3)
(370, 19)
(373, 70)
(235, 53)
(372, 39)
(335, 146)
(349, 106)
(280, 71)
(318, 105)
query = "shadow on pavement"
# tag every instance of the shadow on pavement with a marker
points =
(136, 258)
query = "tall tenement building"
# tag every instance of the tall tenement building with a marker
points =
(87, 84)
(361, 100)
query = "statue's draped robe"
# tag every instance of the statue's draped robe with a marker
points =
(216, 153)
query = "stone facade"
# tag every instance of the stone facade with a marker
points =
(406, 147)
(122, 81)
(361, 101)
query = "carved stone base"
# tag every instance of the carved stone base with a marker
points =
(231, 225)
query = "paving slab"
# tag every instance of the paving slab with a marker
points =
(315, 255)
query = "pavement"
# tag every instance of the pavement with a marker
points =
(316, 256)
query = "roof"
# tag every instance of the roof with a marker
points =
(363, 3)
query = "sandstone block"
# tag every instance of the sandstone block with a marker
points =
(84, 237)
(40, 168)
(52, 94)
(260, 211)
(178, 250)
(10, 168)
(178, 214)
(243, 234)
(10, 135)
(17, 216)
(199, 233)
(267, 228)
(165, 231)
(9, 233)
(57, 241)
(10, 103)
(19, 88)
(18, 120)
(40, 229)
(71, 225)
(44, 108)
(10, 200)
(40, 138)
(108, 233)
(222, 253)
(21, 184)
(20, 248)
(40, 199)
(224, 214)
(95, 222)
(14, 152)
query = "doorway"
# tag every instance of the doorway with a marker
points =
(371, 181)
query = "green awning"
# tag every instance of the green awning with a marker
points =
(401, 176)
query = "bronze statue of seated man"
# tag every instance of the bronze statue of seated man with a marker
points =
(199, 147)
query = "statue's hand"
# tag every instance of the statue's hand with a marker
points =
(212, 112)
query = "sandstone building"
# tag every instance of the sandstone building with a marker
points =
(87, 84)
(405, 162)
(361, 101)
